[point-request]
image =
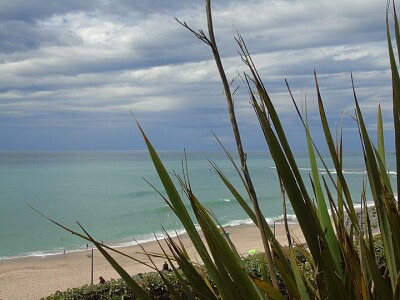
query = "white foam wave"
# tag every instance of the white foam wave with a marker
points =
(333, 171)
(147, 238)
(173, 233)
(278, 219)
(323, 171)
(225, 200)
(292, 219)
(370, 204)
(304, 169)
(41, 254)
(238, 223)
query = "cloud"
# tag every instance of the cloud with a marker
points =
(34, 10)
(75, 64)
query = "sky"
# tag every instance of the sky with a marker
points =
(72, 72)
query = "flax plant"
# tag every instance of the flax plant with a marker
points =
(343, 262)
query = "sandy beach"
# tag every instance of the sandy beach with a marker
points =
(36, 277)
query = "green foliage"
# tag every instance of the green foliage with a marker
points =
(341, 261)
(112, 290)
(152, 283)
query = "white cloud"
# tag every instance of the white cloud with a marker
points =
(96, 62)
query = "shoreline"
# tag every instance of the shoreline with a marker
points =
(124, 243)
(150, 237)
(36, 277)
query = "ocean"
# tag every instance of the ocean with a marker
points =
(106, 193)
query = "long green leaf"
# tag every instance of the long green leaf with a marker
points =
(396, 294)
(268, 289)
(331, 148)
(383, 172)
(139, 291)
(382, 290)
(281, 260)
(323, 213)
(169, 285)
(396, 90)
(381, 138)
(235, 193)
(271, 112)
(394, 222)
(377, 190)
(223, 254)
(299, 278)
(184, 216)
(305, 212)
(197, 282)
(88, 239)
(338, 182)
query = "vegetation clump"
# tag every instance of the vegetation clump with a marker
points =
(338, 264)
(154, 285)
(118, 289)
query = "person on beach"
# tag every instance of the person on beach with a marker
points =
(166, 268)
(102, 281)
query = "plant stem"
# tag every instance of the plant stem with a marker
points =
(239, 146)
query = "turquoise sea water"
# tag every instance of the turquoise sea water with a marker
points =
(105, 192)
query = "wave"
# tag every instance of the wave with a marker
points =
(323, 171)
(143, 194)
(292, 219)
(220, 201)
(222, 170)
(139, 194)
(144, 238)
(43, 253)
(150, 237)
(371, 203)
(358, 206)
(238, 223)
(165, 207)
(225, 200)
